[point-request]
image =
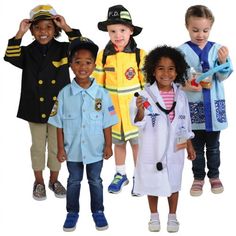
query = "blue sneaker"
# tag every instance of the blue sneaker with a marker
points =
(100, 221)
(118, 182)
(70, 222)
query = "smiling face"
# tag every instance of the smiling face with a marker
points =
(83, 64)
(165, 73)
(119, 35)
(199, 30)
(43, 31)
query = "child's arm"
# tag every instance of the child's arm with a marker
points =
(61, 23)
(99, 73)
(190, 150)
(140, 69)
(223, 53)
(107, 152)
(223, 57)
(61, 154)
(24, 27)
(14, 53)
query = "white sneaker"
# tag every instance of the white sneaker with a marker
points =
(154, 225)
(172, 226)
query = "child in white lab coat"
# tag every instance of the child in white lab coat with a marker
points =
(161, 112)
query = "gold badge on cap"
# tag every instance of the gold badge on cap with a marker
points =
(98, 104)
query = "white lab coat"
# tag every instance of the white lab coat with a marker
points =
(159, 143)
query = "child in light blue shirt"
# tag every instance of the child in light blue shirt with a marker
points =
(84, 115)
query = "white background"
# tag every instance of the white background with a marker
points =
(163, 23)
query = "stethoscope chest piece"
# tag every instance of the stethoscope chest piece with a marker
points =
(159, 166)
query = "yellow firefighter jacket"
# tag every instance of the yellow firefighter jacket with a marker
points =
(121, 75)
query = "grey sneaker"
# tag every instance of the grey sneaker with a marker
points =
(154, 225)
(58, 189)
(172, 226)
(39, 192)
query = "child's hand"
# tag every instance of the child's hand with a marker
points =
(140, 113)
(139, 103)
(223, 53)
(61, 23)
(61, 155)
(191, 86)
(24, 27)
(190, 150)
(107, 152)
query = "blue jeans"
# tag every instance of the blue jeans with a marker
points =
(210, 140)
(76, 170)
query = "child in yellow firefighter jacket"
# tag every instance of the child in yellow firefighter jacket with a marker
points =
(119, 71)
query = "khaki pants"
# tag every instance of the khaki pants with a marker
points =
(44, 135)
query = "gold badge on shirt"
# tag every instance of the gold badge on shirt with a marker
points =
(54, 109)
(98, 104)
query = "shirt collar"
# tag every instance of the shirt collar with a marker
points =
(92, 90)
(43, 48)
(129, 48)
(155, 90)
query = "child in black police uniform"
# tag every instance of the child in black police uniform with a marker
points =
(45, 71)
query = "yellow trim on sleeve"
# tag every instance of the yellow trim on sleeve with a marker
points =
(13, 55)
(13, 47)
(13, 51)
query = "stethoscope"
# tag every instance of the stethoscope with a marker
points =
(167, 112)
(159, 165)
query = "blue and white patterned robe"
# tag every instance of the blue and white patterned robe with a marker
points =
(207, 108)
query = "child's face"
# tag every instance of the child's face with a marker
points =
(165, 73)
(82, 64)
(119, 35)
(199, 30)
(43, 31)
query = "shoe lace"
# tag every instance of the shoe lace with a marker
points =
(173, 222)
(154, 222)
(57, 186)
(39, 189)
(116, 179)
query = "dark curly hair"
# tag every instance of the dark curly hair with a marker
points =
(153, 58)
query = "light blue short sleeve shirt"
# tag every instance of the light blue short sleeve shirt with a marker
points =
(83, 114)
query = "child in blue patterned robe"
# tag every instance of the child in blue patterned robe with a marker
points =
(206, 99)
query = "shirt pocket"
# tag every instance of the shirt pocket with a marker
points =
(71, 123)
(96, 123)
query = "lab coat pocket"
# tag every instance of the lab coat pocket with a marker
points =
(96, 123)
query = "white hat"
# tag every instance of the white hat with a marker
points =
(42, 12)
